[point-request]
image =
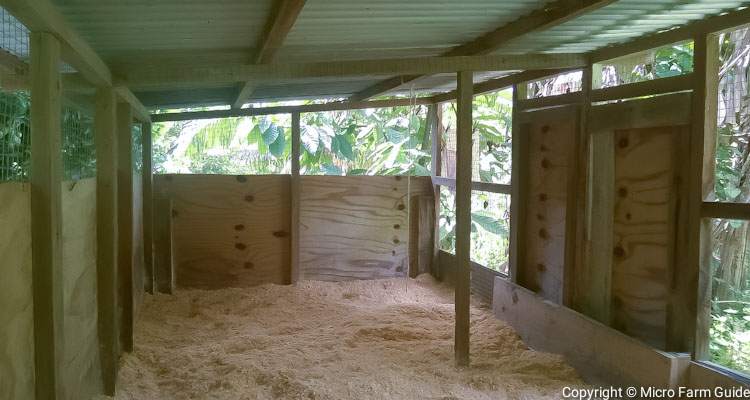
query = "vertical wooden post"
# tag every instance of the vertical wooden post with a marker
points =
(690, 313)
(106, 234)
(518, 182)
(148, 207)
(435, 121)
(46, 215)
(295, 181)
(463, 214)
(125, 222)
(164, 268)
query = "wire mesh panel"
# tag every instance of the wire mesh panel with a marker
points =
(662, 62)
(137, 149)
(15, 136)
(14, 36)
(78, 147)
(490, 230)
(555, 85)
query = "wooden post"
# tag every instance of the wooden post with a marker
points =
(106, 233)
(148, 208)
(163, 269)
(434, 119)
(295, 180)
(518, 169)
(46, 215)
(690, 313)
(125, 222)
(463, 214)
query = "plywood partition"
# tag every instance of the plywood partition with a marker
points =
(356, 227)
(228, 231)
(551, 136)
(634, 259)
(16, 313)
(82, 372)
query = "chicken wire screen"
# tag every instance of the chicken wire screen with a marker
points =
(15, 136)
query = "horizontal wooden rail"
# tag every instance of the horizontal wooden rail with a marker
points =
(551, 101)
(657, 86)
(478, 186)
(739, 211)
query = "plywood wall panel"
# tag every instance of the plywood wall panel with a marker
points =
(82, 369)
(229, 231)
(356, 227)
(551, 135)
(646, 172)
(16, 306)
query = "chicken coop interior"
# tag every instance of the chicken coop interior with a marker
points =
(329, 199)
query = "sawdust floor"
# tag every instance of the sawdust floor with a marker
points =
(384, 339)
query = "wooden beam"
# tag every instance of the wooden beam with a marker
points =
(519, 180)
(657, 86)
(105, 126)
(140, 113)
(279, 26)
(125, 222)
(244, 112)
(550, 101)
(478, 186)
(147, 178)
(463, 215)
(295, 182)
(245, 91)
(46, 216)
(43, 16)
(552, 14)
(151, 76)
(692, 314)
(504, 82)
(719, 210)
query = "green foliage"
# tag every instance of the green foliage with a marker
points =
(78, 147)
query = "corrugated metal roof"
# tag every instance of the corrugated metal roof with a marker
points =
(115, 26)
(352, 29)
(618, 22)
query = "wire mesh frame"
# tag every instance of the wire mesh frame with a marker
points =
(78, 146)
(15, 136)
(14, 36)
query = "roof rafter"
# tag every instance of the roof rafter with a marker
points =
(278, 27)
(550, 15)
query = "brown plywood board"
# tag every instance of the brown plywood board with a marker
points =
(229, 231)
(645, 184)
(356, 227)
(82, 368)
(551, 135)
(16, 312)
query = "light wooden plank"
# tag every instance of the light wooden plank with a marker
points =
(277, 29)
(599, 353)
(503, 83)
(295, 183)
(551, 101)
(647, 88)
(548, 16)
(332, 106)
(46, 216)
(151, 76)
(138, 109)
(147, 179)
(125, 224)
(105, 127)
(476, 186)
(694, 314)
(163, 248)
(464, 103)
(519, 181)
